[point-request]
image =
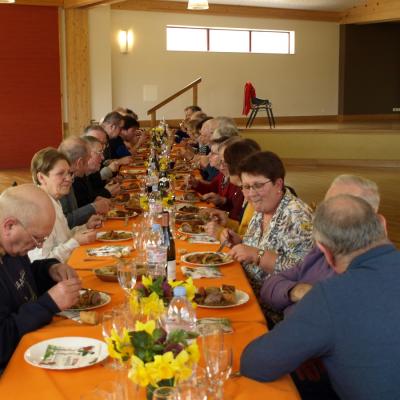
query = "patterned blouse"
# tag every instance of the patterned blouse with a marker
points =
(289, 235)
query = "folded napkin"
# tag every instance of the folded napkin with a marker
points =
(202, 239)
(71, 314)
(201, 272)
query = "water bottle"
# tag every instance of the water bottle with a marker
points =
(156, 251)
(180, 314)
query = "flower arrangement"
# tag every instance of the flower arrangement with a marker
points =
(157, 359)
(151, 296)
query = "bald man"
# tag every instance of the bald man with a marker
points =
(30, 293)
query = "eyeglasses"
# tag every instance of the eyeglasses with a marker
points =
(38, 241)
(256, 187)
(65, 175)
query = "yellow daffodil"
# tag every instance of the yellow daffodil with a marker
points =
(194, 354)
(148, 327)
(147, 281)
(152, 305)
(164, 365)
(138, 373)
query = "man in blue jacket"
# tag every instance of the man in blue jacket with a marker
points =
(30, 293)
(350, 321)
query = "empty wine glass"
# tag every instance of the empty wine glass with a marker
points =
(107, 325)
(126, 272)
(195, 388)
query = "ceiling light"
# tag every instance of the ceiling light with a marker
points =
(197, 5)
(7, 1)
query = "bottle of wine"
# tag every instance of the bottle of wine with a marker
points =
(169, 242)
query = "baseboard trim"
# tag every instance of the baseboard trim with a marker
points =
(369, 117)
(342, 163)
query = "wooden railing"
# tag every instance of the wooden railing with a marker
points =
(193, 85)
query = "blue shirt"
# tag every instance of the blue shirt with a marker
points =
(351, 321)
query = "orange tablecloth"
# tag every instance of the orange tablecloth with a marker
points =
(23, 381)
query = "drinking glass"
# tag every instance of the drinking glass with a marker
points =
(126, 272)
(107, 325)
(165, 393)
(195, 388)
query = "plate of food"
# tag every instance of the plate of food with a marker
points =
(206, 258)
(121, 214)
(109, 251)
(192, 228)
(189, 198)
(107, 274)
(113, 236)
(130, 185)
(188, 209)
(226, 296)
(63, 353)
(182, 217)
(90, 299)
(122, 198)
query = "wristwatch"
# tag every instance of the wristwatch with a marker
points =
(259, 256)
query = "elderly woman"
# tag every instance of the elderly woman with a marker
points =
(233, 152)
(51, 171)
(279, 233)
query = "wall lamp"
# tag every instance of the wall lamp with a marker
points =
(125, 41)
(7, 1)
(197, 5)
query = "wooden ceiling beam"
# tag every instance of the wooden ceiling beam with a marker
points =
(227, 10)
(53, 3)
(373, 11)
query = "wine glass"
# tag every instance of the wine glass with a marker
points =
(195, 388)
(165, 393)
(107, 325)
(126, 272)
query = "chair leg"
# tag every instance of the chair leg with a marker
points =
(253, 116)
(249, 119)
(272, 116)
(269, 117)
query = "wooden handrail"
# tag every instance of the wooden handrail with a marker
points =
(192, 85)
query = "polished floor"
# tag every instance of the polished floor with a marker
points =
(310, 183)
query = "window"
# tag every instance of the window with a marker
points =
(229, 40)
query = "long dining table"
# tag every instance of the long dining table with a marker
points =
(21, 380)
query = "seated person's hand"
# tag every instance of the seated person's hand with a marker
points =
(94, 222)
(230, 237)
(213, 229)
(113, 187)
(85, 237)
(125, 160)
(310, 370)
(218, 216)
(114, 165)
(214, 198)
(66, 293)
(61, 272)
(244, 254)
(299, 291)
(102, 205)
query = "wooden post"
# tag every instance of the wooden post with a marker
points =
(195, 99)
(78, 80)
(153, 119)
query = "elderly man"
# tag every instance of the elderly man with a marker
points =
(284, 290)
(352, 320)
(77, 207)
(30, 293)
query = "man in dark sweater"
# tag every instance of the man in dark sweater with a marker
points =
(352, 320)
(30, 293)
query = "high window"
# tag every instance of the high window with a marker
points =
(229, 40)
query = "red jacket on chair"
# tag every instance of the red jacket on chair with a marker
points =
(249, 93)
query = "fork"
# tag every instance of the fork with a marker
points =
(223, 244)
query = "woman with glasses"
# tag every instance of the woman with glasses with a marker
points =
(279, 234)
(51, 171)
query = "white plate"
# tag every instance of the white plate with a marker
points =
(241, 298)
(34, 355)
(191, 233)
(132, 215)
(109, 251)
(99, 234)
(105, 299)
(183, 258)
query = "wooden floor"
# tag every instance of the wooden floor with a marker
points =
(310, 183)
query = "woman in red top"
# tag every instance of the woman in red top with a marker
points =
(224, 194)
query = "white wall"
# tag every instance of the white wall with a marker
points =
(305, 83)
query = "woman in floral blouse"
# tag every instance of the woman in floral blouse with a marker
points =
(280, 233)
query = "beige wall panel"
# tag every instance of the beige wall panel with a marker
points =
(100, 61)
(77, 71)
(331, 146)
(305, 83)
